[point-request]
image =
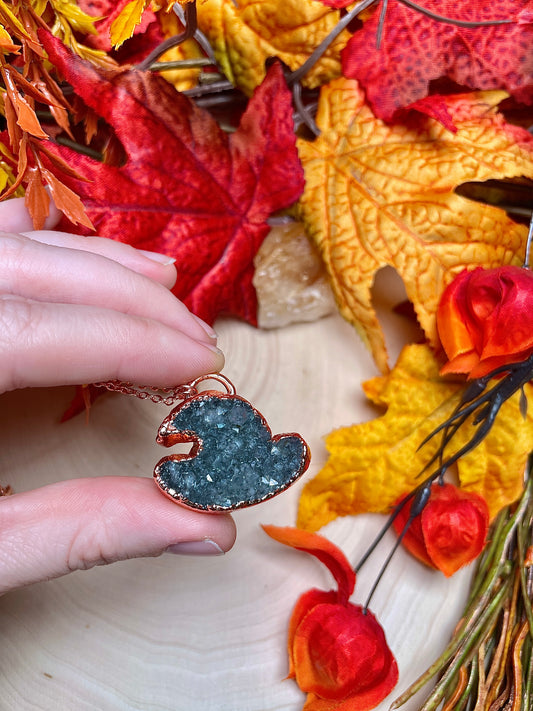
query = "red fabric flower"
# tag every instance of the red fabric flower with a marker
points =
(338, 653)
(485, 320)
(451, 530)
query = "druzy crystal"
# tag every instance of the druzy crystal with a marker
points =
(238, 462)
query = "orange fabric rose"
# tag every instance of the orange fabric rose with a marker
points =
(485, 320)
(338, 653)
(451, 530)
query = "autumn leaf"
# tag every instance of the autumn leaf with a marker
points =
(380, 195)
(83, 398)
(245, 34)
(114, 22)
(70, 17)
(374, 463)
(7, 169)
(7, 46)
(525, 16)
(70, 22)
(416, 49)
(150, 32)
(187, 189)
(124, 24)
(336, 3)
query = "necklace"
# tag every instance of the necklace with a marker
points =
(234, 462)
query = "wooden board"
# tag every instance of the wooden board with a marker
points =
(186, 634)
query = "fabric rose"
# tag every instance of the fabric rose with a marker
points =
(338, 653)
(451, 530)
(485, 320)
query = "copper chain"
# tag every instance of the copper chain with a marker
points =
(165, 396)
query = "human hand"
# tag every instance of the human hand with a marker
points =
(85, 309)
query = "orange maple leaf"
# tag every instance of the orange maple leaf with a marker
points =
(374, 463)
(379, 194)
(245, 34)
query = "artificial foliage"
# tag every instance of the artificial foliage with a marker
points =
(379, 194)
(416, 400)
(246, 34)
(186, 187)
(414, 50)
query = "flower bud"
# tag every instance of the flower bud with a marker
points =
(484, 320)
(338, 653)
(450, 531)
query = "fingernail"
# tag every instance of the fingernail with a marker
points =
(163, 259)
(213, 348)
(207, 328)
(205, 547)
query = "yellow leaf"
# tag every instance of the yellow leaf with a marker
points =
(8, 168)
(5, 175)
(379, 194)
(9, 19)
(69, 24)
(39, 6)
(167, 5)
(244, 34)
(372, 464)
(6, 42)
(69, 12)
(125, 23)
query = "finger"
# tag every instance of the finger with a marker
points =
(14, 216)
(45, 344)
(154, 265)
(75, 525)
(55, 274)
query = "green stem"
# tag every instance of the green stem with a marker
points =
(491, 583)
(528, 680)
(499, 550)
(194, 63)
(487, 558)
(521, 533)
(79, 148)
(455, 655)
(467, 654)
(472, 681)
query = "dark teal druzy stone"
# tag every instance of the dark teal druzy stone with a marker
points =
(238, 463)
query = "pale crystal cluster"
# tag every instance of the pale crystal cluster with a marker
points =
(290, 279)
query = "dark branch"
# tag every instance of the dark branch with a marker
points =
(191, 26)
(451, 20)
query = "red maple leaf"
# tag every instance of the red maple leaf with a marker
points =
(416, 49)
(187, 188)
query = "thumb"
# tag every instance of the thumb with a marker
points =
(75, 525)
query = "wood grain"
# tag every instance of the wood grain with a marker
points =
(184, 634)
